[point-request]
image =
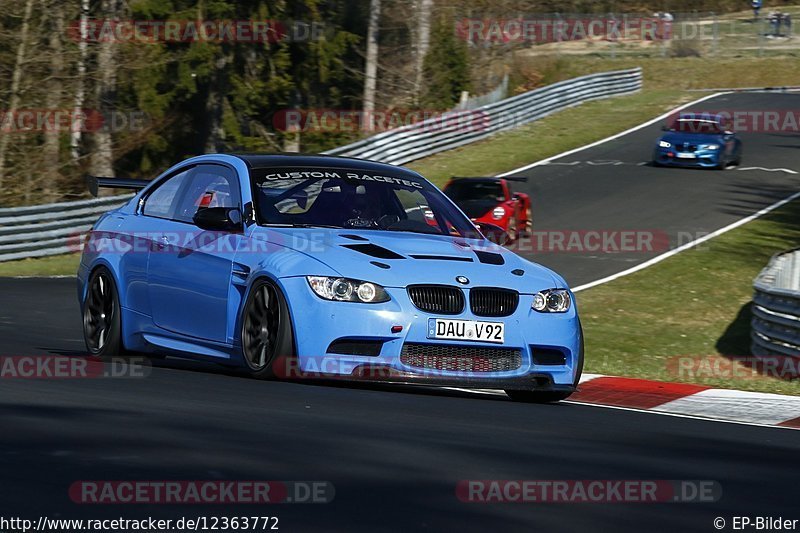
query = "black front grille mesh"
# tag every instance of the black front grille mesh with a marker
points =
(441, 299)
(456, 358)
(487, 301)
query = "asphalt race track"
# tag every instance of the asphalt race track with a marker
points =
(612, 186)
(396, 454)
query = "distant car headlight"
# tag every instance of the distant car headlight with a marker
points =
(551, 301)
(664, 144)
(711, 146)
(498, 212)
(347, 290)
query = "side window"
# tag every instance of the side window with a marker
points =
(162, 202)
(209, 186)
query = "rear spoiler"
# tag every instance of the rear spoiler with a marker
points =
(509, 178)
(95, 182)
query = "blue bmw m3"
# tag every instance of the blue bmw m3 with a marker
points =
(292, 266)
(698, 140)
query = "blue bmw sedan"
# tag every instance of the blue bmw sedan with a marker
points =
(694, 140)
(316, 266)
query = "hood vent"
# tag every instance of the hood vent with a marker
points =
(443, 258)
(374, 250)
(353, 237)
(490, 258)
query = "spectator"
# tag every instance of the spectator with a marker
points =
(756, 5)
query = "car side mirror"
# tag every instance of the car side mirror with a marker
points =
(218, 219)
(493, 232)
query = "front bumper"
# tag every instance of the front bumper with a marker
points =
(318, 323)
(701, 159)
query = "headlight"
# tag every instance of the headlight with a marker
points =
(347, 290)
(551, 301)
(498, 212)
(664, 144)
(711, 146)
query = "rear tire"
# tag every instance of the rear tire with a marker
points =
(266, 330)
(533, 396)
(102, 325)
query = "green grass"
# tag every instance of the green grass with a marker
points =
(694, 304)
(57, 265)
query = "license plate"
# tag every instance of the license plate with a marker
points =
(685, 156)
(466, 330)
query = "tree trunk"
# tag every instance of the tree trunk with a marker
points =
(102, 157)
(371, 70)
(80, 89)
(423, 41)
(16, 79)
(51, 150)
(215, 106)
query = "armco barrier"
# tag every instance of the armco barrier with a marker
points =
(775, 327)
(53, 229)
(401, 145)
(49, 229)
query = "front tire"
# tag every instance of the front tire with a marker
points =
(533, 396)
(102, 324)
(266, 330)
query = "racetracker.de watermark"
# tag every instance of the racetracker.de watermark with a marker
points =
(351, 121)
(64, 367)
(593, 241)
(192, 31)
(42, 120)
(733, 367)
(588, 491)
(550, 28)
(181, 492)
(739, 120)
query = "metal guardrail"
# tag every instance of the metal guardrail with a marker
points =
(50, 229)
(775, 326)
(53, 229)
(458, 128)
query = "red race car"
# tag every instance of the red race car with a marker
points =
(492, 200)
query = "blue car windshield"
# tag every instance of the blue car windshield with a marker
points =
(687, 125)
(358, 199)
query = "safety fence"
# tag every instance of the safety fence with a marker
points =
(775, 326)
(49, 229)
(458, 128)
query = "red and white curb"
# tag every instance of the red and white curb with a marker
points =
(686, 399)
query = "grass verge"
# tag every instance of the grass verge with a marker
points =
(694, 306)
(549, 136)
(56, 265)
